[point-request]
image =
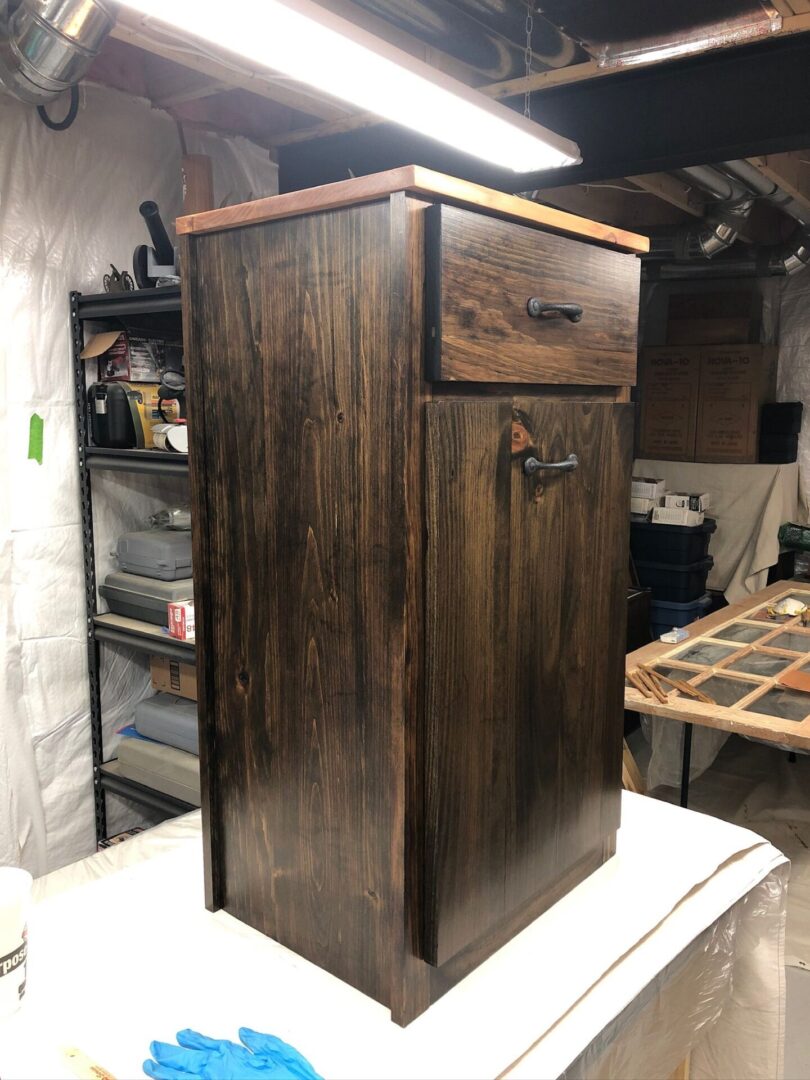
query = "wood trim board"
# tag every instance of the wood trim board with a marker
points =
(414, 179)
(738, 718)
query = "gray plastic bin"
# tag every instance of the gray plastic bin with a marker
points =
(156, 553)
(170, 720)
(144, 597)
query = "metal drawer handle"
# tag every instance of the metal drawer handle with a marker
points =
(532, 465)
(539, 310)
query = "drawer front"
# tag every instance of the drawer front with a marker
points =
(481, 273)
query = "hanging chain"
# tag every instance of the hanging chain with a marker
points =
(527, 55)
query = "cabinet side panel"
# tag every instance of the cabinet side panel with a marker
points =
(306, 579)
(195, 333)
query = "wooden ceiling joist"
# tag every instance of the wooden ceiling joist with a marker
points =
(790, 171)
(671, 190)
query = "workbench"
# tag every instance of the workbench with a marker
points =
(737, 655)
(625, 976)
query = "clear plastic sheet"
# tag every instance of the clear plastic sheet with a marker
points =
(68, 208)
(666, 740)
(714, 1003)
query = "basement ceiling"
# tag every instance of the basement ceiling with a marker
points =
(593, 76)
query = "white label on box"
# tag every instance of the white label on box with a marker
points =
(673, 515)
(686, 500)
(642, 506)
(645, 487)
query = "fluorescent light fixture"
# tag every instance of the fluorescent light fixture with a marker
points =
(322, 50)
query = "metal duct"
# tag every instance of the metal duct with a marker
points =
(762, 187)
(732, 208)
(735, 188)
(48, 45)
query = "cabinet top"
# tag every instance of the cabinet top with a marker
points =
(419, 181)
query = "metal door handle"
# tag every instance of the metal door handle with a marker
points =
(532, 465)
(540, 310)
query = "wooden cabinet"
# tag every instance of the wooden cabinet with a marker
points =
(410, 642)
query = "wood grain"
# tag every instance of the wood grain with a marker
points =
(324, 719)
(417, 181)
(307, 549)
(481, 273)
(517, 786)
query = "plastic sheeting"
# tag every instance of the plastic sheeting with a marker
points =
(600, 978)
(69, 207)
(711, 1003)
(794, 368)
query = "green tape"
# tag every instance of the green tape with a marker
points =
(35, 438)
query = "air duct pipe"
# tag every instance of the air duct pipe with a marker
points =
(46, 46)
(735, 189)
(732, 207)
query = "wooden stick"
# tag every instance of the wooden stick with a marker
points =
(634, 680)
(684, 687)
(650, 682)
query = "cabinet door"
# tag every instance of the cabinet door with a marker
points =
(525, 616)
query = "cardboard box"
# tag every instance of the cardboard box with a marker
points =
(173, 677)
(642, 506)
(647, 487)
(181, 620)
(669, 384)
(735, 381)
(124, 357)
(714, 318)
(671, 515)
(684, 500)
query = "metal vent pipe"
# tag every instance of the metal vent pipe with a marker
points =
(48, 45)
(734, 185)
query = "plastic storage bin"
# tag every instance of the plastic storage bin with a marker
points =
(156, 553)
(664, 614)
(142, 597)
(668, 581)
(670, 543)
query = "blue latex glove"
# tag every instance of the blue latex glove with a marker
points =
(218, 1059)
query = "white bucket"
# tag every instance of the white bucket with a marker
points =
(15, 902)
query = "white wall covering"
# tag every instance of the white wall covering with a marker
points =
(794, 365)
(68, 207)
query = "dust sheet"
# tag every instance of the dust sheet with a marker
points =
(68, 208)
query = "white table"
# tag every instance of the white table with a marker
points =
(749, 503)
(623, 976)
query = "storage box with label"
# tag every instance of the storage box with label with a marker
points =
(676, 515)
(714, 318)
(686, 500)
(181, 620)
(669, 381)
(735, 381)
(173, 677)
(125, 357)
(647, 487)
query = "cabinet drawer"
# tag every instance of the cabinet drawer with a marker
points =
(481, 273)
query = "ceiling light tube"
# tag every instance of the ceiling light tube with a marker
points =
(315, 47)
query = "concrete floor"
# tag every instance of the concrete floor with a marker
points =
(757, 787)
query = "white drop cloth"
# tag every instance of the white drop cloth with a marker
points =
(69, 207)
(749, 503)
(122, 952)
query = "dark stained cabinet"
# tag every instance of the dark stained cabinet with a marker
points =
(410, 639)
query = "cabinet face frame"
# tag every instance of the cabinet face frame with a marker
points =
(402, 980)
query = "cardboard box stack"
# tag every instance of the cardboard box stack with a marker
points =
(703, 402)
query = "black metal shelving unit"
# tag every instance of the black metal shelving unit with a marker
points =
(157, 310)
